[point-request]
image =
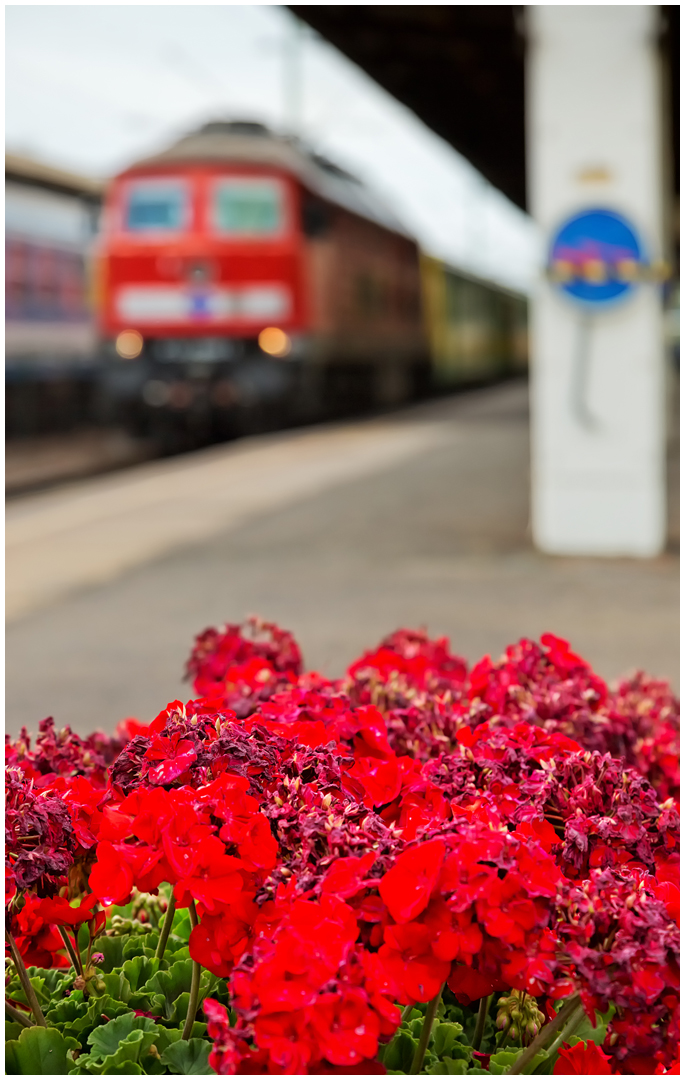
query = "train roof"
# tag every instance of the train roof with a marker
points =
(25, 170)
(452, 270)
(254, 143)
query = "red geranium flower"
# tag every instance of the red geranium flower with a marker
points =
(583, 1059)
(406, 889)
(111, 879)
(60, 912)
(174, 755)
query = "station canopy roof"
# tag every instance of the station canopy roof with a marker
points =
(461, 70)
(27, 171)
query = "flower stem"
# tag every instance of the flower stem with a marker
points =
(25, 981)
(420, 1053)
(567, 1032)
(483, 1009)
(194, 983)
(166, 927)
(543, 1036)
(18, 1015)
(73, 954)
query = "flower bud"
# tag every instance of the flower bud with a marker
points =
(531, 1029)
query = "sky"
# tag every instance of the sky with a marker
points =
(93, 87)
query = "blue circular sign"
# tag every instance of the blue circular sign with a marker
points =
(596, 257)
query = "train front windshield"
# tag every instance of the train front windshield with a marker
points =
(156, 206)
(248, 207)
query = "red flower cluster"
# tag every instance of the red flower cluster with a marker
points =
(62, 753)
(244, 665)
(470, 908)
(550, 686)
(352, 845)
(624, 946)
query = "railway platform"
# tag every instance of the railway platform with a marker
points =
(340, 532)
(36, 463)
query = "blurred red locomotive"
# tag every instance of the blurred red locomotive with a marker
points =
(244, 281)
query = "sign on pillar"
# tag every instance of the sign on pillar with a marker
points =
(597, 332)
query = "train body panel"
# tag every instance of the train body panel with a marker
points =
(50, 338)
(364, 293)
(477, 331)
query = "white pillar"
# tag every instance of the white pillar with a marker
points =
(595, 140)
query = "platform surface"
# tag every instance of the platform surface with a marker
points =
(341, 533)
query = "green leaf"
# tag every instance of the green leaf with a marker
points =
(152, 1065)
(105, 1040)
(145, 1003)
(400, 1053)
(134, 1047)
(45, 981)
(502, 1061)
(38, 1051)
(172, 1028)
(117, 986)
(139, 969)
(55, 980)
(67, 1011)
(15, 990)
(449, 1067)
(89, 1015)
(13, 1029)
(83, 938)
(112, 949)
(585, 1032)
(126, 1068)
(139, 944)
(174, 987)
(188, 1057)
(166, 1036)
(415, 1027)
(171, 984)
(181, 926)
(546, 1066)
(445, 1036)
(175, 951)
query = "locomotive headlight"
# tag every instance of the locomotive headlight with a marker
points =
(275, 342)
(129, 344)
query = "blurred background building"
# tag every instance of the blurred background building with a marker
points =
(413, 168)
(51, 219)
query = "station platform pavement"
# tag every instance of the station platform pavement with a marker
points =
(340, 533)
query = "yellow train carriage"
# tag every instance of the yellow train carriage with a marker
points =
(477, 330)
